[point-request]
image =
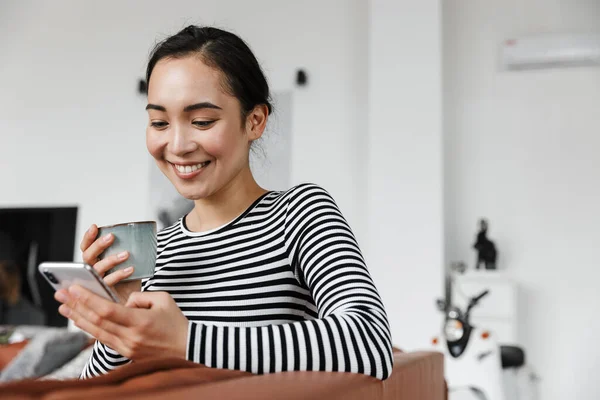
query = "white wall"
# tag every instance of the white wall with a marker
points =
(522, 150)
(405, 198)
(72, 126)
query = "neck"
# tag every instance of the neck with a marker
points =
(226, 204)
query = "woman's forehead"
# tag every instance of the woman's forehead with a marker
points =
(180, 79)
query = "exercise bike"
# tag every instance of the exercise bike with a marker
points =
(476, 365)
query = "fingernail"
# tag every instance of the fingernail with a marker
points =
(107, 238)
(60, 296)
(128, 270)
(122, 255)
(64, 310)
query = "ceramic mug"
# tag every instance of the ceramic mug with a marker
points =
(137, 238)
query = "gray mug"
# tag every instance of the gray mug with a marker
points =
(137, 238)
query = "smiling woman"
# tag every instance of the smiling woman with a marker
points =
(250, 279)
(195, 127)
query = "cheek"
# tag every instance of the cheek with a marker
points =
(225, 143)
(154, 144)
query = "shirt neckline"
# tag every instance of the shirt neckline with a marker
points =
(225, 226)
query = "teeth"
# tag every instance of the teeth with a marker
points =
(187, 169)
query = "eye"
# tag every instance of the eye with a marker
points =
(202, 124)
(158, 124)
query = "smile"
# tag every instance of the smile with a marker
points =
(189, 171)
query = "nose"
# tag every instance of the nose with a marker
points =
(182, 141)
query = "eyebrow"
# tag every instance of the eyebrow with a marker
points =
(192, 107)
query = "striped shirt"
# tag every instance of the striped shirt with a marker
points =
(283, 287)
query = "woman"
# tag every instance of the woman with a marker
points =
(250, 279)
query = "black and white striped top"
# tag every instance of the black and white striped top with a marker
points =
(283, 287)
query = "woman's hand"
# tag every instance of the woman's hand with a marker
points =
(92, 247)
(149, 325)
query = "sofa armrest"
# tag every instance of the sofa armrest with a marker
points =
(418, 375)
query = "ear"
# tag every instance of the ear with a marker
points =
(256, 122)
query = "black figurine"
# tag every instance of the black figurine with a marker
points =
(486, 250)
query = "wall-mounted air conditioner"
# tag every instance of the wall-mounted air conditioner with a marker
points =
(551, 50)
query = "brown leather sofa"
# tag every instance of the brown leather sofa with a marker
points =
(416, 376)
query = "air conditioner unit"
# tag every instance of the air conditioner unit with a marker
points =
(552, 50)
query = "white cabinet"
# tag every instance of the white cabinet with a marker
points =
(496, 312)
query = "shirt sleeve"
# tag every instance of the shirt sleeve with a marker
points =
(102, 360)
(351, 332)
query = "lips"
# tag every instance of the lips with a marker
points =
(189, 171)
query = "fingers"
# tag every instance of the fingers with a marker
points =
(117, 276)
(92, 247)
(95, 321)
(89, 237)
(93, 251)
(97, 331)
(100, 311)
(61, 296)
(110, 262)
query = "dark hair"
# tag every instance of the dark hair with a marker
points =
(243, 77)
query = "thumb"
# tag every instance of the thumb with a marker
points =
(141, 300)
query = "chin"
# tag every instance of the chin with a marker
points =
(193, 193)
(188, 190)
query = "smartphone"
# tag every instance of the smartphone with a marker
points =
(61, 275)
